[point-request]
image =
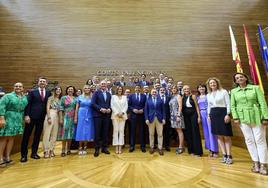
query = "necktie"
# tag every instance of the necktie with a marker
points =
(42, 95)
(138, 97)
(163, 98)
(104, 95)
(154, 101)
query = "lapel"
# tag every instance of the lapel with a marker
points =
(38, 94)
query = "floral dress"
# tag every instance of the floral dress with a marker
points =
(67, 105)
(12, 108)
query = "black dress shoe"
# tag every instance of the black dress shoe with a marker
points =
(96, 154)
(35, 156)
(106, 151)
(131, 149)
(161, 152)
(143, 150)
(167, 148)
(23, 159)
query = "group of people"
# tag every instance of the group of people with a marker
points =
(89, 116)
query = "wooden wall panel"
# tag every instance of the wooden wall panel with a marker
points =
(69, 41)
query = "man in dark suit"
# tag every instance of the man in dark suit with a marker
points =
(166, 131)
(35, 113)
(136, 103)
(121, 81)
(146, 91)
(143, 82)
(101, 103)
(180, 86)
(155, 116)
(110, 87)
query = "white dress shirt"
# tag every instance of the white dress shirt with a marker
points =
(219, 98)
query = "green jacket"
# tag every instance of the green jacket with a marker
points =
(248, 105)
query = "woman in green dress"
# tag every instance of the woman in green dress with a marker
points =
(67, 111)
(12, 107)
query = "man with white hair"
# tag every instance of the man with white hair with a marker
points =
(101, 103)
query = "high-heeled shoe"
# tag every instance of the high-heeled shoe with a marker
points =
(80, 151)
(2, 163)
(263, 169)
(51, 153)
(119, 149)
(46, 155)
(256, 167)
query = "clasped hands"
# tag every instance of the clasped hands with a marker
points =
(136, 111)
(105, 110)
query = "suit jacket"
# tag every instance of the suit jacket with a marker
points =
(143, 83)
(111, 91)
(249, 105)
(120, 83)
(119, 105)
(36, 108)
(151, 110)
(133, 103)
(98, 102)
(167, 109)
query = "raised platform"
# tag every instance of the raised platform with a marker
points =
(135, 169)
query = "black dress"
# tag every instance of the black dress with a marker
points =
(191, 131)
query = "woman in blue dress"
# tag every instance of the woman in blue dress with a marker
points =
(84, 120)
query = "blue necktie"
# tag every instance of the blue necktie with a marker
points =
(104, 95)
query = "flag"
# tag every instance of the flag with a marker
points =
(253, 66)
(236, 57)
(263, 47)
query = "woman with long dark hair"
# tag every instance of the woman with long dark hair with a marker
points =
(210, 139)
(51, 124)
(250, 112)
(66, 130)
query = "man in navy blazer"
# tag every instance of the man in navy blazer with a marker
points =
(101, 103)
(121, 82)
(155, 116)
(143, 82)
(35, 113)
(136, 103)
(167, 130)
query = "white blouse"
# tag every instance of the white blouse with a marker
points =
(219, 98)
(119, 105)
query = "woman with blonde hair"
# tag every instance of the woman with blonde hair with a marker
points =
(51, 124)
(219, 116)
(192, 120)
(176, 117)
(84, 119)
(119, 105)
